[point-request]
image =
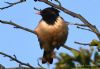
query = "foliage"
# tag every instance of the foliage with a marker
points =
(81, 59)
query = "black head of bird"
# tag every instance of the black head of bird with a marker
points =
(49, 14)
(52, 32)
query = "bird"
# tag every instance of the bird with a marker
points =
(52, 32)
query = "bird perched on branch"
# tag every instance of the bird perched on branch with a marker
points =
(52, 32)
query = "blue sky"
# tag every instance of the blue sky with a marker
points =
(25, 45)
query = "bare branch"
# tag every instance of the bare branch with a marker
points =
(17, 26)
(92, 27)
(77, 24)
(80, 24)
(84, 28)
(18, 61)
(12, 4)
(82, 43)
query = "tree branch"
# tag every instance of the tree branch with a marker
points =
(84, 28)
(80, 25)
(12, 4)
(17, 26)
(14, 58)
(85, 44)
(77, 24)
(18, 61)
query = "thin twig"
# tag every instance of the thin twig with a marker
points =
(84, 28)
(17, 26)
(18, 61)
(80, 25)
(12, 4)
(82, 43)
(77, 24)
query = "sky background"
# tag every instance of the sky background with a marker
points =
(25, 44)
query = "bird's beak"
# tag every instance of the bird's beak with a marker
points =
(39, 13)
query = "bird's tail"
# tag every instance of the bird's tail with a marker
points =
(48, 57)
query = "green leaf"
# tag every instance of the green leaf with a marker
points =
(94, 43)
(98, 45)
(63, 55)
(76, 53)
